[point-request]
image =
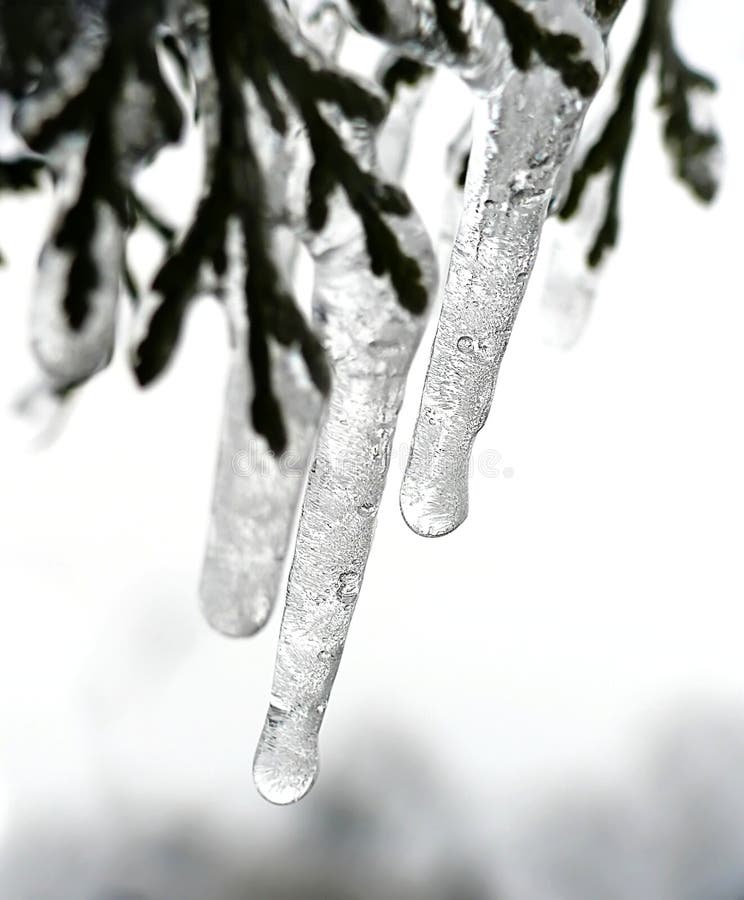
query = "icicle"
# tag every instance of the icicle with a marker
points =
(523, 129)
(370, 340)
(256, 495)
(571, 285)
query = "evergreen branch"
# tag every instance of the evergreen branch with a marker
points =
(77, 231)
(335, 166)
(235, 193)
(558, 50)
(93, 110)
(691, 147)
(527, 38)
(449, 20)
(611, 148)
(177, 279)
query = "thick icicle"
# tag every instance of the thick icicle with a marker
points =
(370, 340)
(524, 127)
(66, 354)
(396, 134)
(255, 497)
(256, 494)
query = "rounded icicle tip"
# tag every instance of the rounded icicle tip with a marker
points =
(286, 763)
(433, 513)
(226, 616)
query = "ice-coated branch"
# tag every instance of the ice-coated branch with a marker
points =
(693, 147)
(370, 343)
(260, 46)
(236, 192)
(75, 119)
(256, 493)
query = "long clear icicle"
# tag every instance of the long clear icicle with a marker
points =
(256, 494)
(370, 340)
(524, 127)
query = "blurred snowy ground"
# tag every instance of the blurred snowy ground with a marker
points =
(546, 705)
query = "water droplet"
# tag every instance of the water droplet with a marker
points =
(465, 344)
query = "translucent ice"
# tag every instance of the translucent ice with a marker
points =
(255, 496)
(370, 340)
(524, 126)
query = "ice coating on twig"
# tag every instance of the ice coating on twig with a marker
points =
(523, 130)
(370, 340)
(256, 494)
(571, 285)
(255, 497)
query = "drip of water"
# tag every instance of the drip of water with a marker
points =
(370, 341)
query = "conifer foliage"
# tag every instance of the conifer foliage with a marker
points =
(92, 70)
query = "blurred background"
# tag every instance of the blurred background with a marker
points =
(547, 704)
